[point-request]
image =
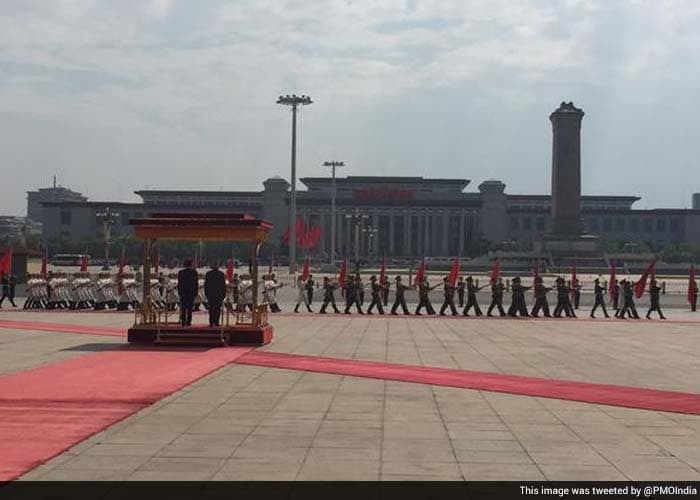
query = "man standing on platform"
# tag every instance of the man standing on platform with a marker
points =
(460, 291)
(215, 291)
(599, 299)
(654, 291)
(449, 292)
(400, 299)
(376, 296)
(187, 287)
(472, 290)
(328, 295)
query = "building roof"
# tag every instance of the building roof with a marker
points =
(226, 194)
(353, 179)
(88, 204)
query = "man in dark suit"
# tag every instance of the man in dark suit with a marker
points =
(187, 287)
(215, 291)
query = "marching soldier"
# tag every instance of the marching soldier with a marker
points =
(328, 295)
(599, 299)
(654, 291)
(616, 298)
(576, 292)
(472, 290)
(310, 289)
(423, 299)
(270, 287)
(302, 295)
(360, 289)
(399, 299)
(518, 305)
(460, 291)
(628, 301)
(540, 299)
(352, 295)
(9, 282)
(563, 302)
(497, 289)
(693, 295)
(449, 293)
(385, 290)
(376, 296)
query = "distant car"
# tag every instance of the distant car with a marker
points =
(67, 259)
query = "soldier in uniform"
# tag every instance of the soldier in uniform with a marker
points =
(449, 301)
(376, 296)
(563, 302)
(599, 299)
(9, 282)
(460, 291)
(385, 290)
(399, 299)
(352, 295)
(359, 289)
(328, 295)
(310, 289)
(628, 301)
(576, 292)
(616, 298)
(693, 296)
(654, 291)
(518, 305)
(270, 287)
(423, 299)
(472, 290)
(497, 288)
(540, 299)
(302, 295)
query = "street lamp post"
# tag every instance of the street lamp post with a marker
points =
(358, 219)
(294, 101)
(108, 218)
(333, 165)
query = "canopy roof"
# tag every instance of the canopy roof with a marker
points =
(201, 226)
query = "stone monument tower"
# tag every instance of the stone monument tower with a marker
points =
(566, 171)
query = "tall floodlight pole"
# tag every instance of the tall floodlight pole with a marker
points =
(108, 218)
(333, 165)
(294, 101)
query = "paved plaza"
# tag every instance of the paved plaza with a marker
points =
(244, 422)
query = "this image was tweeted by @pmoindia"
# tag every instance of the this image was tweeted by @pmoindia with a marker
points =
(351, 249)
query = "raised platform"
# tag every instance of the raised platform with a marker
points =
(150, 334)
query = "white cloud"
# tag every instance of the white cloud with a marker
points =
(193, 83)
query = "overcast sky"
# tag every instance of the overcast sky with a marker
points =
(118, 95)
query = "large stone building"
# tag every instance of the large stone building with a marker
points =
(396, 216)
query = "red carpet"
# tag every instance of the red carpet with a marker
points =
(62, 327)
(613, 395)
(49, 409)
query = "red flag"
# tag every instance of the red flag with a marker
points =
(305, 269)
(420, 274)
(495, 271)
(611, 283)
(6, 262)
(691, 283)
(382, 271)
(229, 269)
(454, 272)
(641, 285)
(343, 272)
(44, 265)
(84, 263)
